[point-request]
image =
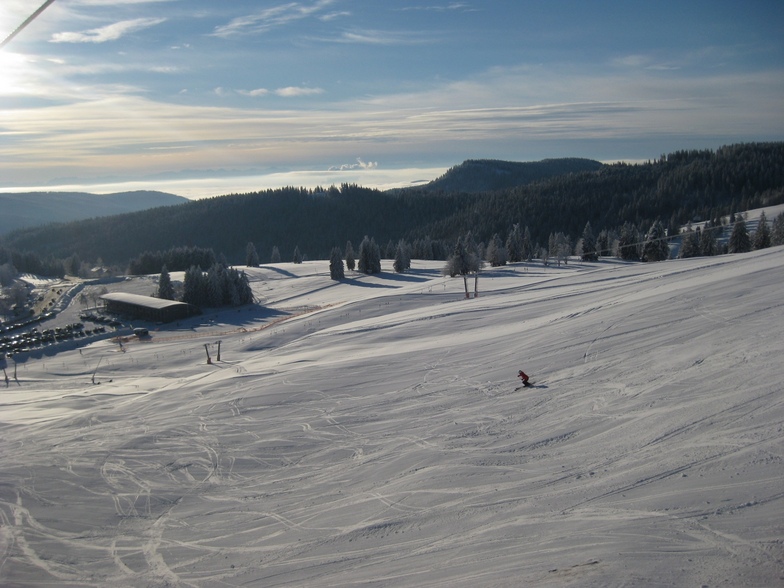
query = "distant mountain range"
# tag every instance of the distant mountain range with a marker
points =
(30, 209)
(483, 175)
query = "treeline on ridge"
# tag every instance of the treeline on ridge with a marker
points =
(676, 188)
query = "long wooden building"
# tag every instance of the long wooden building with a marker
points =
(147, 307)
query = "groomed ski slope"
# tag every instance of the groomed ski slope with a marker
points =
(369, 433)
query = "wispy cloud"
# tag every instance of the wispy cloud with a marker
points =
(107, 33)
(270, 18)
(462, 6)
(358, 165)
(378, 37)
(292, 91)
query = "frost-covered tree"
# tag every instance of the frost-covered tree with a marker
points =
(762, 238)
(496, 253)
(739, 242)
(589, 252)
(708, 243)
(402, 257)
(690, 243)
(297, 257)
(464, 261)
(528, 247)
(560, 247)
(351, 261)
(194, 286)
(251, 255)
(629, 243)
(369, 256)
(514, 244)
(777, 232)
(275, 255)
(336, 271)
(165, 286)
(656, 247)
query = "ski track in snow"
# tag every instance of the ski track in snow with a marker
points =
(381, 441)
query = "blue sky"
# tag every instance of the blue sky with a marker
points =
(202, 97)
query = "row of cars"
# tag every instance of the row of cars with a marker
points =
(13, 343)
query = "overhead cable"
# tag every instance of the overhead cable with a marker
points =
(29, 19)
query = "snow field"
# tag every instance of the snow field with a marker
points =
(375, 436)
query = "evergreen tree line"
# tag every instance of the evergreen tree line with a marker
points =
(218, 286)
(29, 262)
(176, 259)
(677, 188)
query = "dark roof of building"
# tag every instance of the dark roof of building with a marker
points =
(139, 300)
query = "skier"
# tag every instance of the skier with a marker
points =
(524, 377)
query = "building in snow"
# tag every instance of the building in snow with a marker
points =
(147, 308)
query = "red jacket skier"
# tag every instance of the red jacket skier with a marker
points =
(523, 376)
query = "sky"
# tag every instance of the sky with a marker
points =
(204, 98)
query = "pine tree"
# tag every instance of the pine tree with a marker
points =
(351, 261)
(739, 242)
(165, 286)
(514, 244)
(690, 243)
(194, 286)
(336, 271)
(777, 232)
(589, 244)
(708, 244)
(251, 256)
(369, 256)
(528, 248)
(628, 243)
(656, 247)
(496, 253)
(402, 258)
(762, 238)
(275, 255)
(297, 257)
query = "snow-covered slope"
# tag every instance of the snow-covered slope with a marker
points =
(371, 433)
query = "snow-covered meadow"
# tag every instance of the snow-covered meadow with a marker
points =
(372, 433)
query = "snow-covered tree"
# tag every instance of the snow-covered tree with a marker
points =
(708, 243)
(777, 232)
(165, 286)
(629, 243)
(275, 255)
(194, 286)
(496, 253)
(369, 256)
(297, 257)
(464, 261)
(739, 242)
(336, 271)
(690, 243)
(589, 252)
(560, 248)
(251, 255)
(762, 238)
(402, 257)
(514, 244)
(656, 247)
(351, 261)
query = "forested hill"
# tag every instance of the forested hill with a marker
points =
(29, 209)
(675, 189)
(483, 175)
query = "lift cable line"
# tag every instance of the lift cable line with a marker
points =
(29, 19)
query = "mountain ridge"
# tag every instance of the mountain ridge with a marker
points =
(30, 209)
(482, 175)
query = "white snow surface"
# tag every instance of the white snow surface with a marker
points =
(372, 433)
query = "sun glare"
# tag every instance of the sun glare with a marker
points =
(12, 68)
